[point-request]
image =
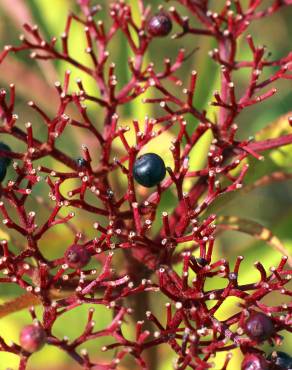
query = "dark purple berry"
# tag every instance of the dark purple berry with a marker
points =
(259, 327)
(149, 170)
(2, 171)
(32, 338)
(232, 276)
(3, 159)
(109, 193)
(81, 162)
(201, 261)
(254, 362)
(280, 360)
(77, 256)
(159, 25)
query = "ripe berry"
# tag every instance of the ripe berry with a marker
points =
(4, 161)
(254, 362)
(81, 162)
(281, 360)
(2, 171)
(259, 327)
(32, 338)
(159, 25)
(201, 261)
(149, 170)
(109, 193)
(77, 256)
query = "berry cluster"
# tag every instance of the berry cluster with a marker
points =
(123, 194)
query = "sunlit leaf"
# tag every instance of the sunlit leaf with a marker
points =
(254, 229)
(276, 128)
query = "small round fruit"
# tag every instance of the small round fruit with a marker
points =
(5, 160)
(77, 256)
(159, 25)
(109, 193)
(201, 261)
(32, 338)
(149, 170)
(2, 171)
(254, 361)
(81, 162)
(281, 359)
(259, 327)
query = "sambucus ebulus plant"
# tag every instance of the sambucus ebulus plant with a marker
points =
(125, 213)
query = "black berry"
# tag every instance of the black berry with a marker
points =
(77, 256)
(81, 162)
(109, 193)
(201, 261)
(149, 170)
(280, 360)
(2, 171)
(4, 161)
(32, 338)
(254, 362)
(159, 25)
(259, 327)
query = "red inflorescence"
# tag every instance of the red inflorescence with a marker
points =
(131, 257)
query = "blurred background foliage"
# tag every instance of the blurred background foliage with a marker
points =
(271, 205)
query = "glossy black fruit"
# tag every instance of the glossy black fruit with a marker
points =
(201, 261)
(5, 160)
(32, 338)
(109, 193)
(254, 362)
(81, 162)
(159, 25)
(2, 171)
(280, 360)
(259, 327)
(149, 170)
(77, 256)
